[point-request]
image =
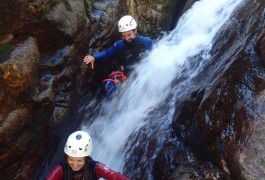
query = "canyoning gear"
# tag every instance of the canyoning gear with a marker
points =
(146, 42)
(94, 171)
(126, 54)
(127, 23)
(79, 144)
(116, 77)
(133, 52)
(112, 81)
(56, 173)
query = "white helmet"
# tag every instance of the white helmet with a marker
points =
(79, 144)
(126, 23)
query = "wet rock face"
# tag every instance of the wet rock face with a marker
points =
(12, 23)
(226, 127)
(56, 84)
(18, 81)
(18, 76)
(21, 19)
(155, 16)
(261, 45)
(248, 155)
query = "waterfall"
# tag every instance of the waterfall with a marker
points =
(151, 80)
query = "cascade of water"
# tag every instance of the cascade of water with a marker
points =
(152, 78)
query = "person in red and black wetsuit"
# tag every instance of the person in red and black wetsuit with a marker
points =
(79, 165)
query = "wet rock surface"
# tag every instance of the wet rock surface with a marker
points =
(18, 81)
(220, 128)
(248, 155)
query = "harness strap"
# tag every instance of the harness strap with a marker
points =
(115, 77)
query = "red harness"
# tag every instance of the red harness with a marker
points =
(116, 77)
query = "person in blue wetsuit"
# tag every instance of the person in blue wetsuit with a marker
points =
(129, 50)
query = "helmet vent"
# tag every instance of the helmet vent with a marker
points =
(80, 149)
(78, 136)
(69, 146)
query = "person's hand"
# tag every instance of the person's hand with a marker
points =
(89, 59)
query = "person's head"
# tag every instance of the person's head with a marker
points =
(127, 27)
(78, 146)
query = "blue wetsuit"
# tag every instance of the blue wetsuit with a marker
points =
(126, 53)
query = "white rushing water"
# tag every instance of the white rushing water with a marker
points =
(124, 114)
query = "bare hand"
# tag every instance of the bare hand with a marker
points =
(89, 59)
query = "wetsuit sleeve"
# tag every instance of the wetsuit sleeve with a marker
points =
(110, 52)
(148, 42)
(103, 171)
(56, 173)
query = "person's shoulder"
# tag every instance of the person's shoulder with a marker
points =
(147, 41)
(58, 167)
(145, 38)
(56, 173)
(119, 43)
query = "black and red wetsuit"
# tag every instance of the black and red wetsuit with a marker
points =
(99, 170)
